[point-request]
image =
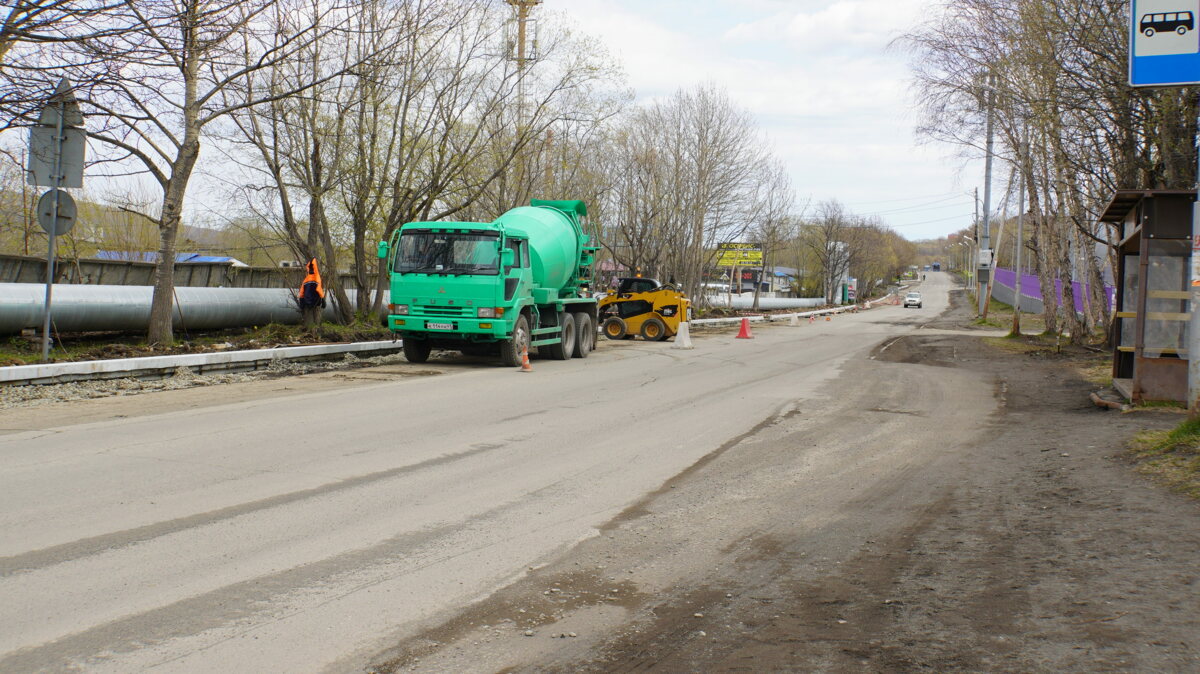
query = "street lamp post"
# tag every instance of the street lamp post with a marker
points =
(985, 270)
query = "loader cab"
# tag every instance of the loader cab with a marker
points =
(636, 285)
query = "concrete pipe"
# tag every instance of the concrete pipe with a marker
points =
(96, 308)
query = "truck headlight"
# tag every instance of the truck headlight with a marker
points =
(486, 312)
(401, 309)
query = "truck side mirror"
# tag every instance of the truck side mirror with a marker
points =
(506, 258)
(383, 250)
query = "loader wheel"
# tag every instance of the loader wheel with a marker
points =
(614, 327)
(585, 334)
(416, 350)
(653, 330)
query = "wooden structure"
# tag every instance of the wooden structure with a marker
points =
(1150, 331)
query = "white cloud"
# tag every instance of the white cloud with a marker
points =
(819, 76)
(851, 24)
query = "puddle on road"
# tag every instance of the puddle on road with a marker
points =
(935, 350)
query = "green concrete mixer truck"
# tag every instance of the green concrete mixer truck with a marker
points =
(495, 288)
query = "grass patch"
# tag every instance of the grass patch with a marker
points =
(28, 351)
(1023, 343)
(1161, 405)
(1171, 457)
(1096, 372)
(20, 350)
(1002, 314)
(1014, 344)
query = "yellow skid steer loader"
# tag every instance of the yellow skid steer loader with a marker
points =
(642, 306)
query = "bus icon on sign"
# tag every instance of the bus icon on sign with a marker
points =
(1168, 22)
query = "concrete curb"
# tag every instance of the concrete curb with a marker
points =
(768, 318)
(157, 367)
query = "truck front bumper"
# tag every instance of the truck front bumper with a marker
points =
(451, 328)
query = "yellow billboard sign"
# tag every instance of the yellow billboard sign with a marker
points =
(739, 255)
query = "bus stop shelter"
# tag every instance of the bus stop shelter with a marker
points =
(1150, 330)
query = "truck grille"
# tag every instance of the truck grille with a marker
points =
(446, 311)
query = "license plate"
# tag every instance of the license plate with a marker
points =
(439, 326)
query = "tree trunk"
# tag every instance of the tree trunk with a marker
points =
(1043, 261)
(159, 331)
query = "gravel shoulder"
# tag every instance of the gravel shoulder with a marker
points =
(948, 506)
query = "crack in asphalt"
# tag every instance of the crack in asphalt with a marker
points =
(56, 554)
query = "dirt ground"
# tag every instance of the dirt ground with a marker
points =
(1023, 541)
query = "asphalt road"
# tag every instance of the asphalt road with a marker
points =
(310, 529)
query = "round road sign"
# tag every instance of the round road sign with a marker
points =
(66, 213)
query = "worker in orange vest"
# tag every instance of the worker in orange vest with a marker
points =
(312, 293)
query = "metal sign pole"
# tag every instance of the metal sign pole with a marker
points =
(1193, 333)
(53, 236)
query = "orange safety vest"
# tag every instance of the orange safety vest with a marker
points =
(313, 275)
(311, 284)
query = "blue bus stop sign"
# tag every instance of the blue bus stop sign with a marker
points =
(1164, 43)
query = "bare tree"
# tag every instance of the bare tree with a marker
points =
(773, 216)
(684, 173)
(1065, 80)
(832, 239)
(50, 21)
(152, 89)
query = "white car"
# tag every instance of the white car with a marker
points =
(912, 300)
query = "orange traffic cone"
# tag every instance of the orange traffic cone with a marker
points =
(525, 366)
(828, 317)
(745, 332)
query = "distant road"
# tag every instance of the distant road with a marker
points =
(313, 526)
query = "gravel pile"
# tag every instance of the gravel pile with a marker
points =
(41, 394)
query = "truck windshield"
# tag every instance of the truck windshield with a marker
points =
(449, 253)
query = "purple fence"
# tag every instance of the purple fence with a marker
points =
(1032, 287)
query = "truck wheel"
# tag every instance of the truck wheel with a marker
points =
(653, 330)
(614, 327)
(585, 334)
(416, 350)
(511, 349)
(566, 338)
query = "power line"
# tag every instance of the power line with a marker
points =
(917, 207)
(918, 198)
(966, 218)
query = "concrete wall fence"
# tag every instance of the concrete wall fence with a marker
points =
(25, 269)
(1031, 291)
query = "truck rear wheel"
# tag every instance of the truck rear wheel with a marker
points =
(417, 350)
(566, 338)
(614, 327)
(511, 349)
(654, 330)
(585, 334)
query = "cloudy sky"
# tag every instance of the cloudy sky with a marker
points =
(827, 91)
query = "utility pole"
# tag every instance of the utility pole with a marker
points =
(1023, 148)
(985, 242)
(523, 7)
(521, 53)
